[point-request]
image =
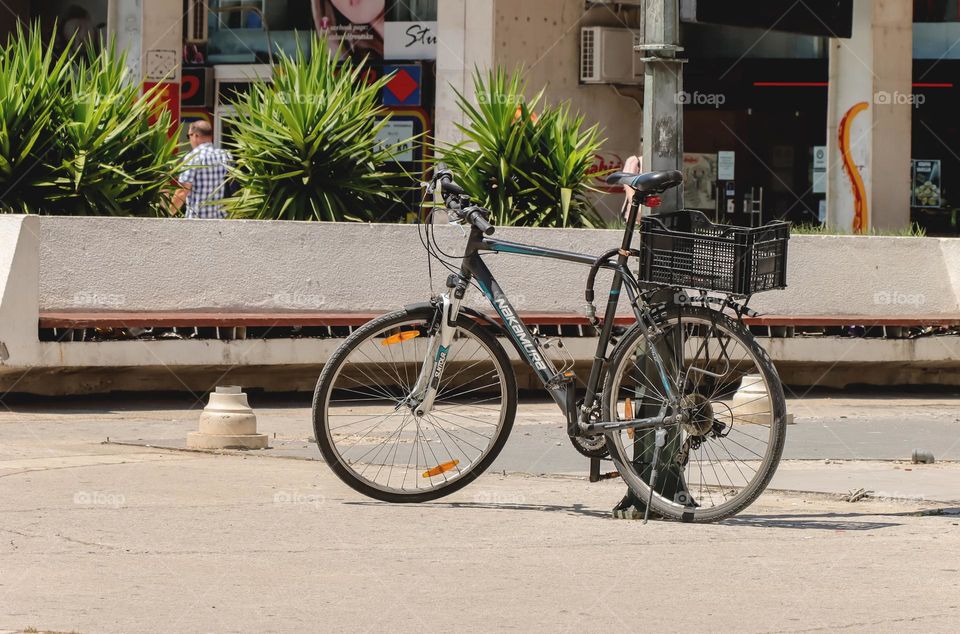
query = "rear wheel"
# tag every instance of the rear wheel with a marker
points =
(375, 442)
(716, 464)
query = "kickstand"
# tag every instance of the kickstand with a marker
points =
(641, 509)
(594, 469)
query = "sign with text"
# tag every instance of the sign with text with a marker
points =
(819, 169)
(410, 40)
(725, 164)
(926, 183)
(395, 132)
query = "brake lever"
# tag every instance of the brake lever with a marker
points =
(458, 221)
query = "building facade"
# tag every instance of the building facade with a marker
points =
(856, 131)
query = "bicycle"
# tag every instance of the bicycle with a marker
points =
(416, 404)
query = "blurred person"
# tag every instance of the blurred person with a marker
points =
(78, 25)
(204, 181)
(633, 165)
(329, 14)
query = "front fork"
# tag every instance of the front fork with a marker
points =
(425, 390)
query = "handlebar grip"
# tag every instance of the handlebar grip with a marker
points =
(477, 220)
(442, 173)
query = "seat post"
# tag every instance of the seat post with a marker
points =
(631, 223)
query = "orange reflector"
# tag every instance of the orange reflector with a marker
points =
(628, 414)
(443, 468)
(400, 336)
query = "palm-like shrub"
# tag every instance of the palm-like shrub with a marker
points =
(31, 83)
(115, 157)
(306, 145)
(77, 138)
(526, 161)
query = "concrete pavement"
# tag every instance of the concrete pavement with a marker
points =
(113, 538)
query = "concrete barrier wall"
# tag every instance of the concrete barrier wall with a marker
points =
(19, 275)
(102, 264)
(175, 264)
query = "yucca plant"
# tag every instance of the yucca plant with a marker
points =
(115, 156)
(562, 171)
(525, 160)
(77, 137)
(31, 81)
(306, 145)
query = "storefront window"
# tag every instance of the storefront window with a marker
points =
(412, 10)
(936, 10)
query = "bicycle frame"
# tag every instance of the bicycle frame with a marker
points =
(559, 387)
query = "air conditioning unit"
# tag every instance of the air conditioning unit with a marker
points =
(198, 20)
(607, 56)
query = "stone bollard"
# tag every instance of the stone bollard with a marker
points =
(227, 422)
(750, 404)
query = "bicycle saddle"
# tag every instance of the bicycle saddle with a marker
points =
(647, 182)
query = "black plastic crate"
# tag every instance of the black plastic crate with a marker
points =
(685, 249)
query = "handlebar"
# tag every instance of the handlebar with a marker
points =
(454, 198)
(475, 216)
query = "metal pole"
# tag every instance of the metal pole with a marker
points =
(662, 90)
(662, 150)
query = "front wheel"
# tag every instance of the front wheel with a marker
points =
(374, 440)
(719, 461)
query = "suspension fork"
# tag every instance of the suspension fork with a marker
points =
(428, 382)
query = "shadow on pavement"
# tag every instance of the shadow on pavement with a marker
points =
(576, 509)
(835, 521)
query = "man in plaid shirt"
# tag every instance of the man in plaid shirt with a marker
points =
(203, 181)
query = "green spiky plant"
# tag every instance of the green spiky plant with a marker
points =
(31, 80)
(527, 161)
(77, 137)
(306, 145)
(115, 156)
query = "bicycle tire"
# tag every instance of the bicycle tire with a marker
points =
(335, 365)
(667, 318)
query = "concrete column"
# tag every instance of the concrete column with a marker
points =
(464, 41)
(125, 22)
(869, 112)
(161, 41)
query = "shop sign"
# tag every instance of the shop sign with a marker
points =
(410, 40)
(925, 191)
